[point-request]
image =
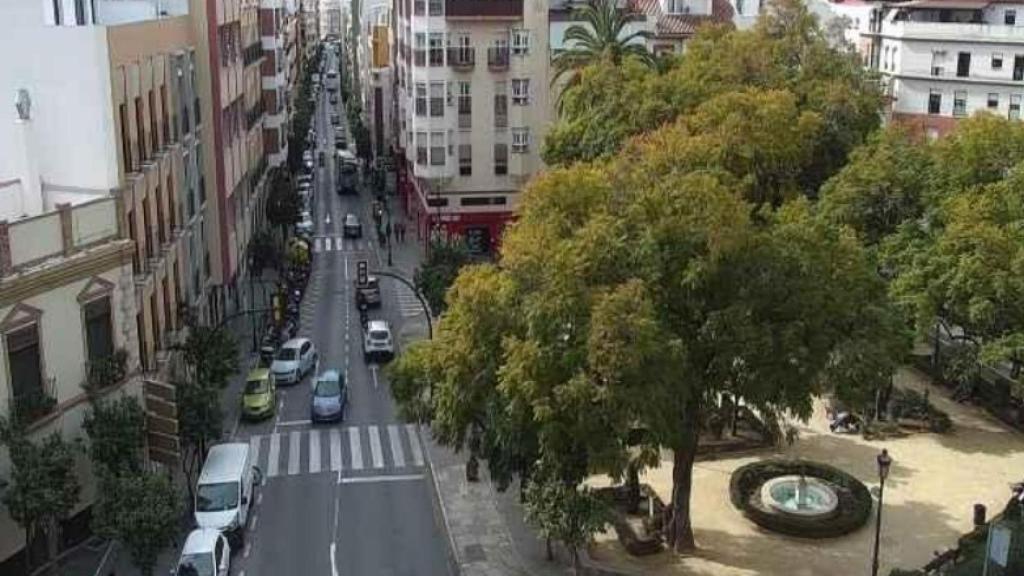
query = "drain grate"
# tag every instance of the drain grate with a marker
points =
(474, 553)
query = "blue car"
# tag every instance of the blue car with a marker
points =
(330, 395)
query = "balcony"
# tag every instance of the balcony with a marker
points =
(497, 58)
(252, 53)
(483, 9)
(462, 58)
(105, 372)
(29, 406)
(253, 115)
(954, 31)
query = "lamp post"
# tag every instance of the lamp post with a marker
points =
(884, 462)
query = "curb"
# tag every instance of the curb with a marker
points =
(454, 564)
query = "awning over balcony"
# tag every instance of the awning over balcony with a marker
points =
(945, 4)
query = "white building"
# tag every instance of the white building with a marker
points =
(275, 78)
(330, 19)
(374, 47)
(947, 59)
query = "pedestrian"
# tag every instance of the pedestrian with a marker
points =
(402, 232)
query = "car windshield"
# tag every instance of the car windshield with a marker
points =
(255, 386)
(217, 497)
(287, 354)
(328, 388)
(195, 565)
(378, 334)
(348, 169)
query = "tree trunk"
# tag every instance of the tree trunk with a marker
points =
(575, 560)
(549, 550)
(680, 530)
(632, 487)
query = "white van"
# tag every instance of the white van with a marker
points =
(224, 492)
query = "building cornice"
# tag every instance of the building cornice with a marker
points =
(86, 264)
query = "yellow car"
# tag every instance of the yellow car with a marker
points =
(259, 399)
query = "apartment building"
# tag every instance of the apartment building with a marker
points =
(309, 27)
(947, 59)
(472, 106)
(275, 80)
(376, 81)
(230, 53)
(103, 222)
(330, 19)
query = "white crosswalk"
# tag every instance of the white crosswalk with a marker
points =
(314, 451)
(408, 305)
(339, 244)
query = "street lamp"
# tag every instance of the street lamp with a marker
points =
(884, 463)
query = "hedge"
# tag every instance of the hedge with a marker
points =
(852, 511)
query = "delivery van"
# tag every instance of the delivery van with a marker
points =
(224, 492)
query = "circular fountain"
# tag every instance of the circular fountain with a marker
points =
(799, 496)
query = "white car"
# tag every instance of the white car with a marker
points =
(305, 226)
(296, 358)
(206, 553)
(377, 341)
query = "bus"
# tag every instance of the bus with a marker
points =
(347, 172)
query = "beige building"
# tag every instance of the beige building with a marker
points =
(472, 103)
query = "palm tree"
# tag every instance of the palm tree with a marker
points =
(600, 36)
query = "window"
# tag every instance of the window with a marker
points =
(436, 45)
(465, 105)
(437, 148)
(520, 91)
(500, 105)
(520, 42)
(421, 99)
(892, 59)
(1014, 113)
(24, 362)
(960, 103)
(937, 68)
(465, 160)
(421, 148)
(419, 7)
(1018, 67)
(739, 7)
(935, 102)
(140, 130)
(993, 100)
(885, 59)
(1010, 17)
(420, 49)
(436, 7)
(126, 142)
(437, 90)
(520, 140)
(56, 12)
(997, 61)
(500, 159)
(963, 64)
(160, 226)
(80, 12)
(155, 136)
(99, 331)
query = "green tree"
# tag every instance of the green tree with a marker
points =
(438, 271)
(42, 487)
(565, 513)
(117, 435)
(601, 37)
(884, 185)
(982, 150)
(284, 207)
(142, 511)
(264, 252)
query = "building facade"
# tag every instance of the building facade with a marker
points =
(274, 73)
(331, 25)
(375, 46)
(472, 106)
(946, 59)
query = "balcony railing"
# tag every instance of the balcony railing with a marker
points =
(483, 9)
(497, 58)
(254, 114)
(31, 405)
(462, 57)
(252, 53)
(105, 372)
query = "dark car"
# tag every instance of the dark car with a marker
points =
(351, 228)
(330, 395)
(369, 294)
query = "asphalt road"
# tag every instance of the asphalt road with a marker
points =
(353, 498)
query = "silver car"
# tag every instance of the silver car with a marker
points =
(296, 358)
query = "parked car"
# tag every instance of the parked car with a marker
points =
(330, 396)
(334, 98)
(377, 342)
(305, 225)
(259, 398)
(369, 294)
(352, 228)
(296, 358)
(206, 553)
(334, 119)
(224, 491)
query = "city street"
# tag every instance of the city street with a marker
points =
(354, 498)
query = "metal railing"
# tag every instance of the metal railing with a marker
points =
(497, 58)
(106, 371)
(29, 406)
(461, 57)
(252, 53)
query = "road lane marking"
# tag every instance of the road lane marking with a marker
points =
(314, 451)
(248, 548)
(274, 455)
(414, 443)
(295, 423)
(338, 244)
(255, 519)
(293, 452)
(346, 267)
(254, 448)
(376, 451)
(356, 448)
(395, 439)
(335, 450)
(334, 564)
(373, 372)
(259, 498)
(376, 479)
(317, 245)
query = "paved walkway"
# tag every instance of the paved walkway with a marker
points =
(934, 482)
